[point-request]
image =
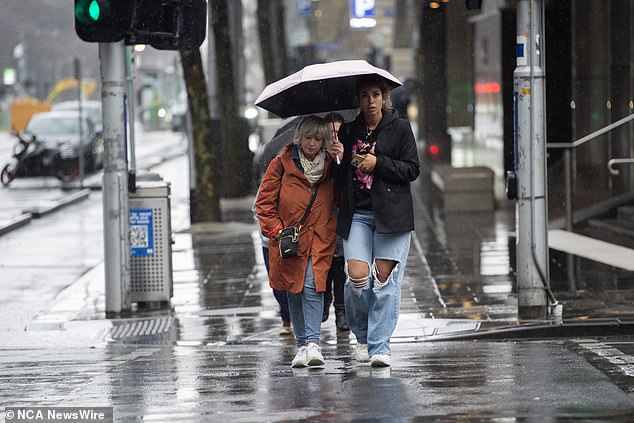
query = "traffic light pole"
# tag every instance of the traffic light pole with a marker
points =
(532, 237)
(115, 179)
(77, 69)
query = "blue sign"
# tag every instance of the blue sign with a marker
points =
(304, 8)
(519, 50)
(141, 233)
(362, 8)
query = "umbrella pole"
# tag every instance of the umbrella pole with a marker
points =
(332, 122)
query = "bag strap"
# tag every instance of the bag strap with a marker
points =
(309, 207)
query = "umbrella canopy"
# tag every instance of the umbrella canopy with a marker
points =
(284, 135)
(319, 88)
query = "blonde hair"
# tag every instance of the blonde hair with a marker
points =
(316, 127)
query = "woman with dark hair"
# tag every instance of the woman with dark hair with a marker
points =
(376, 217)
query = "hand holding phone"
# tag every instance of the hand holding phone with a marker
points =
(356, 159)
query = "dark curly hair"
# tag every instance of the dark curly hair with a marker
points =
(375, 81)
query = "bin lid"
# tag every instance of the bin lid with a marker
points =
(146, 189)
(148, 176)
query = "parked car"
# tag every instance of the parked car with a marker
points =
(60, 130)
(92, 109)
(178, 113)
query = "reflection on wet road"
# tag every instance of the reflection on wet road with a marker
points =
(468, 256)
(253, 382)
(216, 355)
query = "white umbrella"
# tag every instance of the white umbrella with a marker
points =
(320, 88)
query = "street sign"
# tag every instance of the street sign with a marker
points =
(362, 8)
(362, 14)
(520, 50)
(304, 8)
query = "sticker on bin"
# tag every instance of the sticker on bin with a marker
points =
(141, 236)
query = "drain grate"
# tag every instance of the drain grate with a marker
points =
(125, 329)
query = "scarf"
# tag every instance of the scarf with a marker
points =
(313, 171)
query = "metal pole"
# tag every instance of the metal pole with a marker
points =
(568, 180)
(532, 248)
(77, 66)
(131, 99)
(570, 260)
(115, 179)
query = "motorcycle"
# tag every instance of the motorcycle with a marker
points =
(32, 158)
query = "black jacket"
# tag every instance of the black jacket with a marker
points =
(396, 166)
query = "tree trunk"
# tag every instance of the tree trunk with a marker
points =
(205, 197)
(272, 33)
(236, 157)
(264, 31)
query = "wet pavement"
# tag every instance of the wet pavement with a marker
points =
(216, 355)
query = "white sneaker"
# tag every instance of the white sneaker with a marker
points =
(300, 359)
(314, 357)
(380, 360)
(361, 353)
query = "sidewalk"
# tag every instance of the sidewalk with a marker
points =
(216, 353)
(457, 283)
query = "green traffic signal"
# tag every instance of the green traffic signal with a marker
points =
(87, 11)
(94, 10)
(164, 24)
(104, 21)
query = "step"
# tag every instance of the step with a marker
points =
(465, 189)
(618, 226)
(463, 179)
(626, 213)
(592, 249)
(606, 236)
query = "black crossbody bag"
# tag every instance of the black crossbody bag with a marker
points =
(289, 236)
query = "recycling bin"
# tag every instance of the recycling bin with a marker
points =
(150, 243)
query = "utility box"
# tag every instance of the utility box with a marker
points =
(150, 243)
(465, 189)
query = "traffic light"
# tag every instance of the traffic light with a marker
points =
(432, 152)
(103, 21)
(438, 151)
(169, 24)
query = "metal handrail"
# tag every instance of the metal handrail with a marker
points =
(568, 147)
(612, 162)
(592, 135)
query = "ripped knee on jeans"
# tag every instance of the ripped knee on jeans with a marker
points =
(358, 276)
(388, 267)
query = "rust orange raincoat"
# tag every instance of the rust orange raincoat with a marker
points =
(284, 195)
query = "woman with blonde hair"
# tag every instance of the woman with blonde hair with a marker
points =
(297, 187)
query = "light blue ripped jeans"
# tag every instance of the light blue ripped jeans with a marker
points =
(372, 308)
(306, 309)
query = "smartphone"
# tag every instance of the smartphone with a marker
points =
(356, 159)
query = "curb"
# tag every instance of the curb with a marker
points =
(37, 212)
(570, 329)
(84, 291)
(16, 223)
